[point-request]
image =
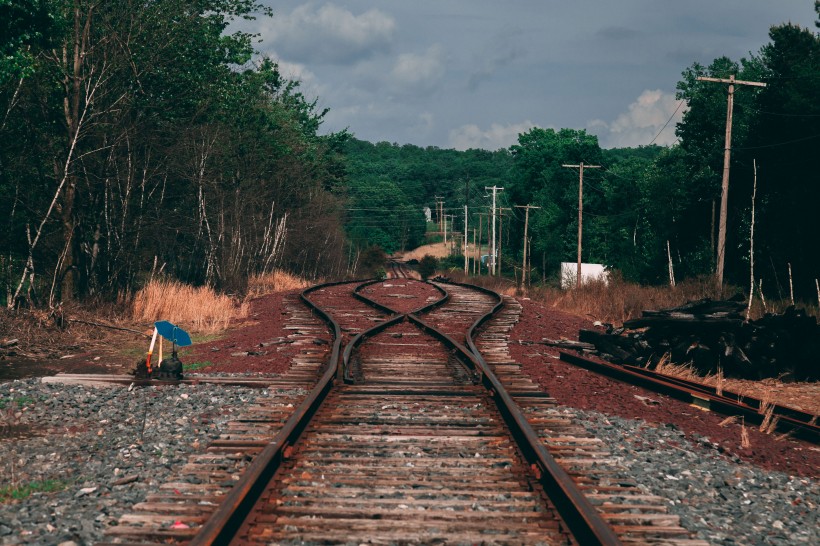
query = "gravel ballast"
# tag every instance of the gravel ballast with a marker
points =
(93, 443)
(721, 500)
(104, 447)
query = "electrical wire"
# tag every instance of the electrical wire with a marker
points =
(680, 103)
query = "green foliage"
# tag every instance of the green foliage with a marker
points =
(539, 179)
(777, 128)
(19, 402)
(427, 266)
(389, 186)
(371, 261)
(172, 151)
(193, 366)
(11, 492)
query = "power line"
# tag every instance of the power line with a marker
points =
(680, 103)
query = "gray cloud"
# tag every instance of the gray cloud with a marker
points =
(330, 34)
(466, 73)
(617, 33)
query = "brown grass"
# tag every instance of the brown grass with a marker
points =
(199, 309)
(618, 301)
(276, 281)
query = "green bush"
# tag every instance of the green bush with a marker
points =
(427, 266)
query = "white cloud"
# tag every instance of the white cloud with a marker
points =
(642, 122)
(496, 137)
(330, 34)
(418, 73)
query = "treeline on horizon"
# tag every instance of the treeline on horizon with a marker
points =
(646, 204)
(139, 141)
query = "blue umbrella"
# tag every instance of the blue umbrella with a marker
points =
(173, 333)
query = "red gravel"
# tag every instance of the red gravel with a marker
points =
(579, 388)
(402, 295)
(265, 322)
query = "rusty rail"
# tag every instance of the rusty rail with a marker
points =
(695, 393)
(227, 519)
(583, 520)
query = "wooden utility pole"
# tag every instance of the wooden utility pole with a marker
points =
(480, 233)
(727, 152)
(500, 234)
(524, 268)
(439, 211)
(580, 212)
(492, 255)
(452, 218)
(474, 251)
(466, 200)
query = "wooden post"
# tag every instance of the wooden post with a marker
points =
(524, 268)
(475, 252)
(466, 260)
(580, 212)
(791, 284)
(671, 269)
(752, 244)
(727, 153)
(480, 231)
(492, 251)
(500, 234)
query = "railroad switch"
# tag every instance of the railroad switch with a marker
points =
(169, 369)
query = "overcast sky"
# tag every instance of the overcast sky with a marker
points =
(475, 73)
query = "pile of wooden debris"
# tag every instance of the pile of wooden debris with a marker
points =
(713, 336)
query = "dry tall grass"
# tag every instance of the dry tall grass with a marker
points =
(618, 301)
(199, 309)
(275, 281)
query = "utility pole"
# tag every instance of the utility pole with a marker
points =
(452, 218)
(439, 210)
(727, 152)
(524, 268)
(492, 256)
(466, 200)
(580, 213)
(475, 260)
(480, 233)
(500, 235)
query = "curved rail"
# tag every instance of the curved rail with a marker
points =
(580, 515)
(230, 514)
(583, 520)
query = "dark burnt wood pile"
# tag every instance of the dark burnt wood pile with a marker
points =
(714, 336)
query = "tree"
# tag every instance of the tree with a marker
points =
(149, 147)
(427, 266)
(539, 179)
(784, 135)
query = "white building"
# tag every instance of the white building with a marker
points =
(589, 272)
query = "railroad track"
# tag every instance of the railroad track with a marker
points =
(416, 438)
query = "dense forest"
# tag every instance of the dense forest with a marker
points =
(141, 139)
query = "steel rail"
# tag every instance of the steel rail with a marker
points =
(586, 524)
(698, 395)
(228, 517)
(584, 521)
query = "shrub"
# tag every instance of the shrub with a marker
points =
(427, 266)
(198, 308)
(275, 281)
